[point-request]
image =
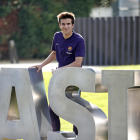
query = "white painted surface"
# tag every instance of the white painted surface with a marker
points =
(105, 12)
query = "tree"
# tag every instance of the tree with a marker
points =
(37, 22)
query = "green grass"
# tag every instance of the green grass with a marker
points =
(124, 67)
(99, 99)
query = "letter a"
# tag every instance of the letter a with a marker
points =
(32, 104)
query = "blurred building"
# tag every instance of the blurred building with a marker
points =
(126, 8)
(102, 12)
(122, 8)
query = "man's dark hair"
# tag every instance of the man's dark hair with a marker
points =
(65, 15)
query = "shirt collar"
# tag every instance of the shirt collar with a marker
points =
(69, 37)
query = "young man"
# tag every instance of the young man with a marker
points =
(68, 48)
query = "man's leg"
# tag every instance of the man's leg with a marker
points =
(55, 120)
(75, 130)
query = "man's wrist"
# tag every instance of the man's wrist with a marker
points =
(41, 65)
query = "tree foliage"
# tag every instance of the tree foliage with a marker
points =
(37, 22)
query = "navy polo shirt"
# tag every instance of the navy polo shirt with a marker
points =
(68, 49)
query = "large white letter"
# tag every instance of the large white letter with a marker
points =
(88, 118)
(118, 82)
(34, 121)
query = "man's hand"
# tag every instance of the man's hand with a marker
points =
(39, 67)
(53, 71)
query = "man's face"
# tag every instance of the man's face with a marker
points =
(66, 26)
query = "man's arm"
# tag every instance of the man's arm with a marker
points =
(48, 60)
(76, 63)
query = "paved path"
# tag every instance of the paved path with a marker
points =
(26, 64)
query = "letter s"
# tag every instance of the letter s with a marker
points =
(88, 118)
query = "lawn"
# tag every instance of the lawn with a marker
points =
(99, 99)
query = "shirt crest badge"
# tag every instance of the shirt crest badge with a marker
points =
(69, 48)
